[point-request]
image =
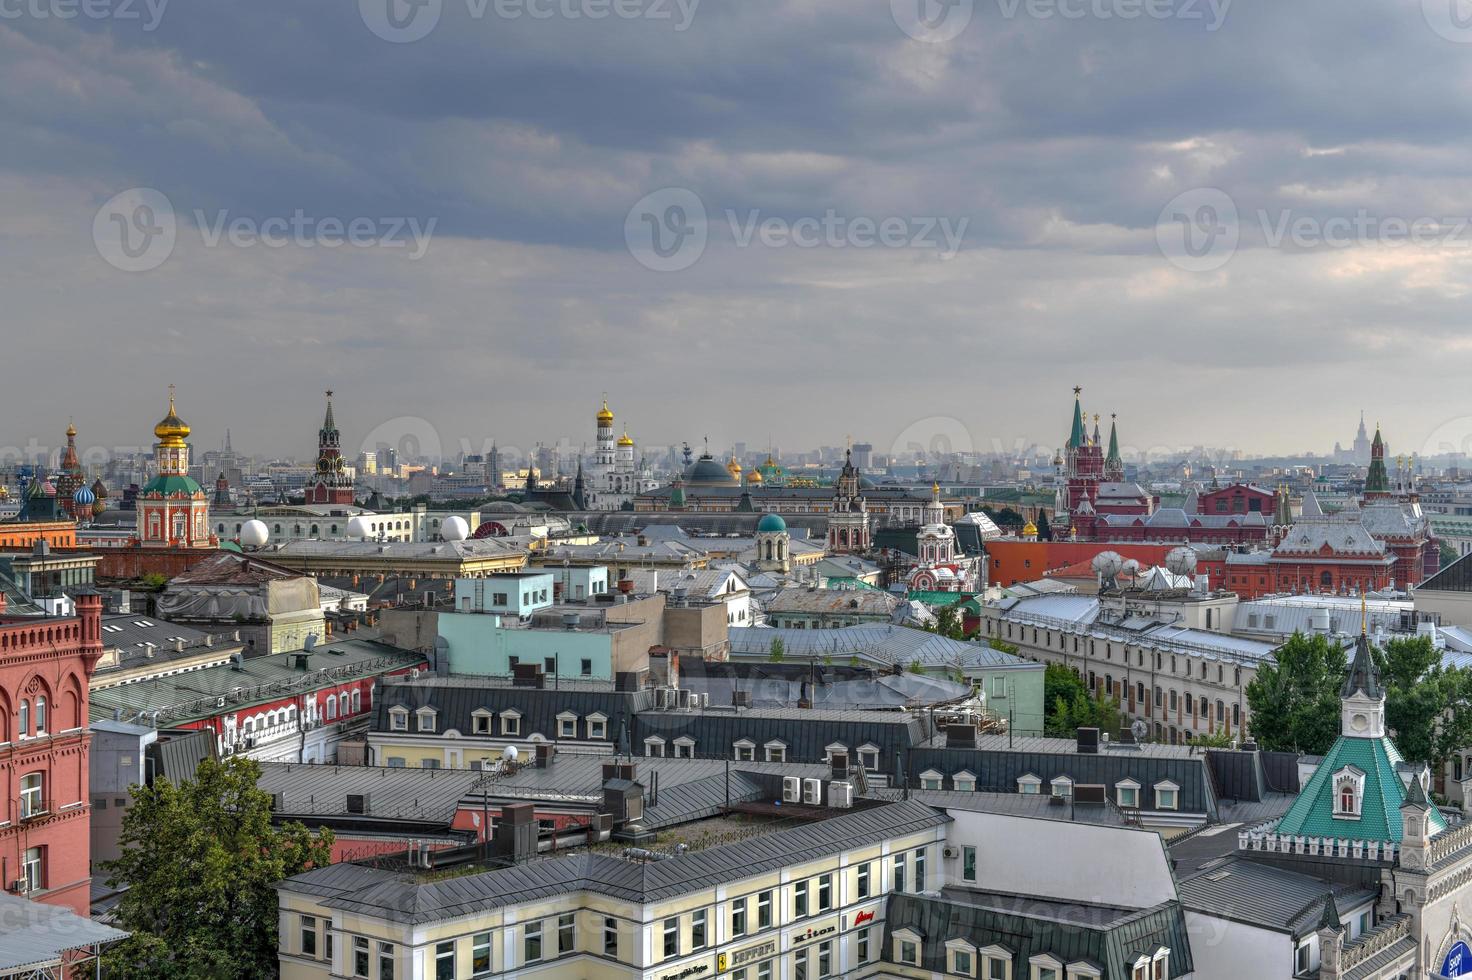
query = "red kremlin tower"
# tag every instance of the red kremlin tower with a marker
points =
(332, 484)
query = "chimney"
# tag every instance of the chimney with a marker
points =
(1088, 741)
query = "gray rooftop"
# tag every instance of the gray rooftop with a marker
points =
(1266, 896)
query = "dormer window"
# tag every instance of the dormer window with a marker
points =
(424, 716)
(398, 719)
(1349, 793)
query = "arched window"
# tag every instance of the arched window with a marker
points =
(40, 716)
(357, 701)
(331, 708)
(24, 718)
(1326, 580)
(1346, 798)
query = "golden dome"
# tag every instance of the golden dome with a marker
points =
(624, 439)
(1029, 530)
(605, 417)
(734, 468)
(171, 429)
(71, 430)
(755, 476)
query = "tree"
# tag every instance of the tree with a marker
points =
(201, 860)
(916, 668)
(1428, 706)
(1069, 705)
(1045, 530)
(1448, 554)
(777, 651)
(997, 643)
(1218, 739)
(1295, 700)
(948, 623)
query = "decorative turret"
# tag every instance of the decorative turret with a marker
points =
(1113, 464)
(1362, 697)
(332, 484)
(1415, 834)
(1377, 482)
(1331, 940)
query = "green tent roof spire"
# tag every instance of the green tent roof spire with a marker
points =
(1078, 437)
(1113, 456)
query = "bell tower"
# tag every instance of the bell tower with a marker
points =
(1362, 698)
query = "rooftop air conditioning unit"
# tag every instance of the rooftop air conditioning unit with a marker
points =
(812, 792)
(841, 794)
(20, 886)
(667, 697)
(950, 853)
(791, 789)
(705, 699)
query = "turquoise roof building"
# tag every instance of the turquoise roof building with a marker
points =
(1358, 792)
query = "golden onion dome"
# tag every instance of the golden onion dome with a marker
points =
(605, 417)
(1029, 530)
(171, 429)
(624, 439)
(734, 468)
(755, 476)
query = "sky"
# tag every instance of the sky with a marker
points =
(918, 222)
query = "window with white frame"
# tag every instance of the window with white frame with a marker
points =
(1127, 793)
(398, 719)
(907, 947)
(567, 725)
(1160, 964)
(995, 962)
(1167, 795)
(32, 798)
(1029, 785)
(654, 747)
(33, 868)
(776, 751)
(745, 750)
(1046, 967)
(511, 722)
(1349, 793)
(480, 721)
(964, 781)
(960, 958)
(832, 749)
(968, 862)
(684, 747)
(425, 717)
(869, 757)
(1083, 971)
(598, 725)
(931, 779)
(1062, 786)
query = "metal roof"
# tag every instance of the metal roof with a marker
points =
(1267, 896)
(398, 794)
(884, 644)
(34, 935)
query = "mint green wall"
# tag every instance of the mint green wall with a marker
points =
(1023, 698)
(479, 645)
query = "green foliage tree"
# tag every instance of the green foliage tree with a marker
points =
(200, 860)
(948, 623)
(1045, 530)
(997, 643)
(915, 667)
(1428, 706)
(1069, 705)
(1295, 700)
(777, 650)
(1448, 554)
(1218, 739)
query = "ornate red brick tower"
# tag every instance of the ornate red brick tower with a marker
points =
(332, 484)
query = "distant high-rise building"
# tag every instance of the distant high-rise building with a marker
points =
(863, 455)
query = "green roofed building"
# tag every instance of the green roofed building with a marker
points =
(1358, 793)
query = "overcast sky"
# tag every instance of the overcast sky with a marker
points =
(1054, 180)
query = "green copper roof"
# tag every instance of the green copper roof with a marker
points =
(168, 486)
(1113, 456)
(1377, 480)
(1312, 814)
(1078, 436)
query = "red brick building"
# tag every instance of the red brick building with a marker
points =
(45, 665)
(1239, 498)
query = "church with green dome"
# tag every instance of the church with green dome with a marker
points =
(173, 509)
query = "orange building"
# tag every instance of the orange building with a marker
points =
(1012, 561)
(23, 536)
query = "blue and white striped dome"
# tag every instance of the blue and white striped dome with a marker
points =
(84, 497)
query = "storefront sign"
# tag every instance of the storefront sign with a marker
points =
(741, 957)
(813, 932)
(685, 974)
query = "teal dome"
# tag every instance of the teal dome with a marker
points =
(771, 524)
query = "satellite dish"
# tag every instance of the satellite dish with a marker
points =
(1181, 561)
(510, 754)
(358, 528)
(454, 529)
(254, 534)
(1131, 566)
(1107, 565)
(1140, 730)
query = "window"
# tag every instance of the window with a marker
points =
(671, 937)
(309, 936)
(1167, 796)
(444, 961)
(738, 917)
(964, 782)
(800, 899)
(480, 953)
(360, 956)
(1062, 787)
(396, 762)
(745, 751)
(597, 726)
(825, 893)
(654, 747)
(31, 802)
(1127, 793)
(968, 862)
(920, 870)
(1045, 967)
(863, 880)
(764, 971)
(1349, 785)
(567, 933)
(899, 872)
(480, 722)
(510, 723)
(610, 937)
(776, 751)
(800, 964)
(398, 720)
(24, 718)
(40, 716)
(996, 963)
(764, 910)
(930, 779)
(864, 944)
(532, 943)
(1162, 965)
(429, 763)
(869, 757)
(684, 747)
(825, 958)
(33, 868)
(959, 961)
(1029, 784)
(567, 726)
(1303, 958)
(587, 667)
(907, 947)
(425, 717)
(697, 929)
(385, 961)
